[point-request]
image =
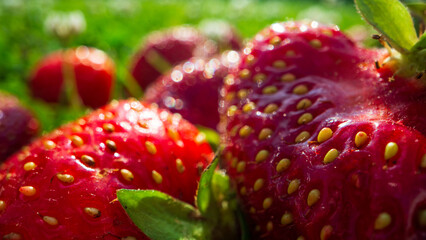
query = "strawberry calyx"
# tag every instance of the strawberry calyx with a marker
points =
(160, 216)
(393, 20)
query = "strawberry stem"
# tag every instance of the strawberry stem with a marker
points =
(393, 20)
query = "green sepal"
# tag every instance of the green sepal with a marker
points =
(392, 19)
(204, 193)
(212, 136)
(162, 217)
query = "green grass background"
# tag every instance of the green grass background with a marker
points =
(118, 27)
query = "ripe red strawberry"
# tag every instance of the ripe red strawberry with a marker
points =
(192, 88)
(320, 144)
(91, 69)
(17, 125)
(64, 185)
(164, 49)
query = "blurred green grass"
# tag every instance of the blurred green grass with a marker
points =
(118, 26)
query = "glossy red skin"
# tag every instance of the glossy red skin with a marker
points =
(93, 72)
(174, 46)
(17, 125)
(196, 95)
(47, 78)
(96, 186)
(348, 95)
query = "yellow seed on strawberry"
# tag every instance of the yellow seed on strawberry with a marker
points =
(111, 145)
(179, 166)
(275, 41)
(326, 232)
(267, 203)
(293, 186)
(245, 73)
(265, 133)
(360, 139)
(303, 104)
(271, 108)
(383, 220)
(325, 134)
(92, 212)
(279, 64)
(157, 177)
(391, 150)
(108, 127)
(28, 190)
(313, 197)
(127, 175)
(243, 190)
(88, 160)
(249, 107)
(245, 131)
(423, 161)
(286, 219)
(49, 145)
(288, 77)
(331, 155)
(269, 226)
(421, 218)
(173, 134)
(243, 93)
(315, 43)
(66, 178)
(300, 89)
(231, 111)
(305, 118)
(50, 220)
(77, 140)
(2, 206)
(241, 166)
(261, 156)
(270, 90)
(150, 147)
(303, 136)
(259, 78)
(283, 164)
(258, 184)
(29, 166)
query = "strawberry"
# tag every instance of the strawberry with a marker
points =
(87, 71)
(162, 50)
(319, 143)
(17, 125)
(63, 186)
(192, 88)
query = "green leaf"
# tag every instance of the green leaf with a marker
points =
(204, 193)
(418, 9)
(392, 19)
(162, 217)
(212, 136)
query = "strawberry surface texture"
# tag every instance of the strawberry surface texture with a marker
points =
(162, 50)
(322, 144)
(17, 125)
(192, 88)
(63, 186)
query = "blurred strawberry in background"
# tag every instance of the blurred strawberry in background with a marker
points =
(17, 125)
(82, 74)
